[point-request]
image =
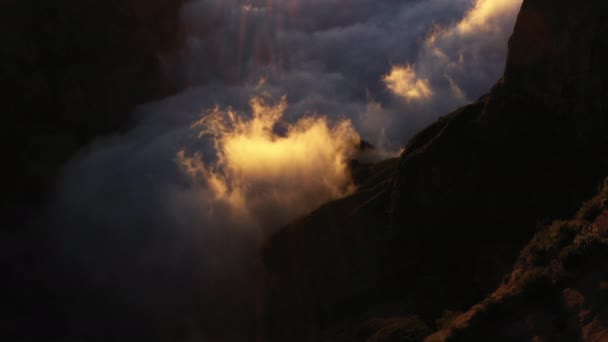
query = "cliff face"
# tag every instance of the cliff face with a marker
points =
(72, 70)
(439, 227)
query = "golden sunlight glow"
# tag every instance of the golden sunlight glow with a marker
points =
(403, 82)
(486, 12)
(257, 169)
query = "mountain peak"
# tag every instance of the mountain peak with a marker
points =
(438, 228)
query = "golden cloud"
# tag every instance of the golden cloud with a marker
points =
(485, 19)
(259, 173)
(485, 13)
(403, 82)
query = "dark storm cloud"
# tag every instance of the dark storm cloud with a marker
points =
(142, 222)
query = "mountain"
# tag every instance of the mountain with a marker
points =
(73, 70)
(432, 233)
(70, 71)
(557, 290)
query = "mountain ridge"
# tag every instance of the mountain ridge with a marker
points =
(448, 219)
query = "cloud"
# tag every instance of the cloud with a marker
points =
(171, 214)
(460, 60)
(165, 220)
(264, 178)
(486, 16)
(333, 58)
(402, 81)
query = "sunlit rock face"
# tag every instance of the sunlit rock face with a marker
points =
(441, 227)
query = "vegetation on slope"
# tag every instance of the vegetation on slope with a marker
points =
(557, 291)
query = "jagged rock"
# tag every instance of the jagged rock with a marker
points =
(555, 292)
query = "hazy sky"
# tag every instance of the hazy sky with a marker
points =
(277, 93)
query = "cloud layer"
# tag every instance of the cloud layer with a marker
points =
(169, 215)
(265, 179)
(403, 82)
(456, 62)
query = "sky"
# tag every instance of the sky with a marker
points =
(165, 220)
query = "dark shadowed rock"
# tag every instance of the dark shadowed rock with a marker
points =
(70, 71)
(439, 228)
(555, 292)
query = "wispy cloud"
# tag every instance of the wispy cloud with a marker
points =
(183, 213)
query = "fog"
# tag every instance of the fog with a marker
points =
(163, 222)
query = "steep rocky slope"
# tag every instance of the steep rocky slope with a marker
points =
(557, 291)
(439, 227)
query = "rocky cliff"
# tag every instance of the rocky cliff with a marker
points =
(72, 70)
(438, 228)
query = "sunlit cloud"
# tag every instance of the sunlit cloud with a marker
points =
(259, 173)
(402, 81)
(453, 53)
(192, 202)
(486, 14)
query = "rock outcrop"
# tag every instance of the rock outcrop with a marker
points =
(438, 228)
(557, 291)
